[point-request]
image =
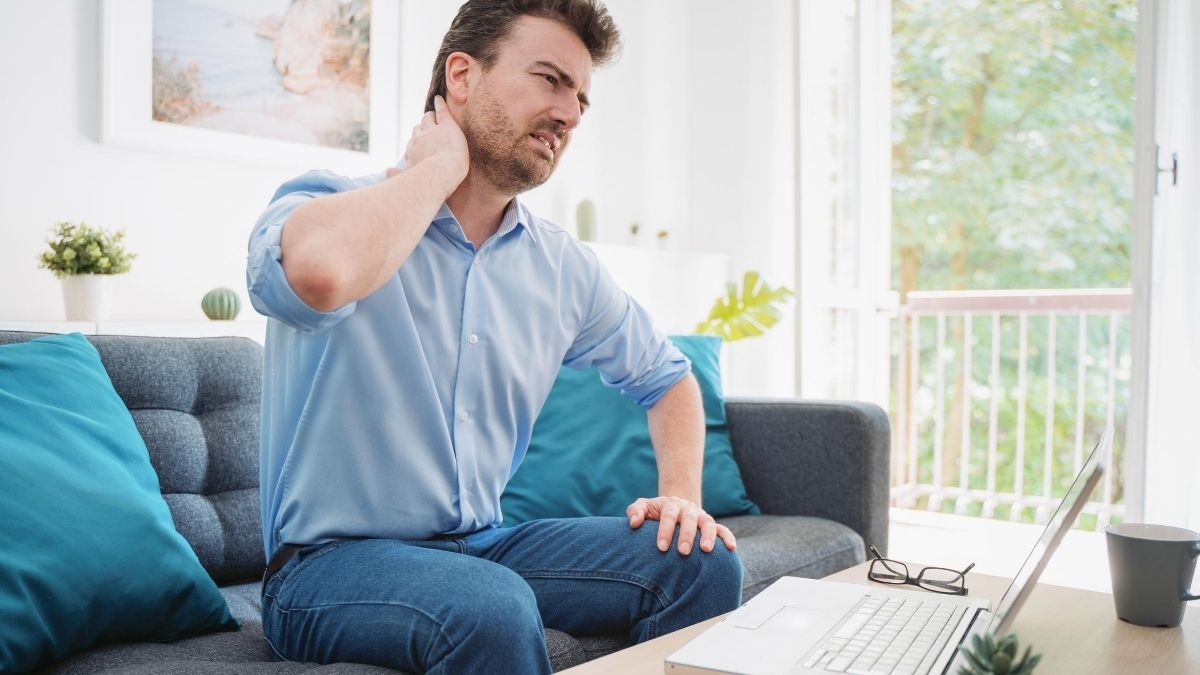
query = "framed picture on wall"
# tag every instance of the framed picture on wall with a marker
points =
(297, 82)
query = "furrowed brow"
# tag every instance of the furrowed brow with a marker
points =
(566, 79)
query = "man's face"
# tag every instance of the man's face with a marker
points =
(520, 114)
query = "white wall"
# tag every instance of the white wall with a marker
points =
(741, 151)
(691, 131)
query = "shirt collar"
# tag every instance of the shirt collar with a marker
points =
(515, 215)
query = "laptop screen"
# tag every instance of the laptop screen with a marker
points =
(1064, 517)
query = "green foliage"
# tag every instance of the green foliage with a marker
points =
(1059, 405)
(77, 248)
(997, 657)
(1012, 134)
(1012, 166)
(747, 312)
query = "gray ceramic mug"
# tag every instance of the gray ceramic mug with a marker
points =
(1152, 567)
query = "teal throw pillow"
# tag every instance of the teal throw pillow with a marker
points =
(590, 452)
(88, 551)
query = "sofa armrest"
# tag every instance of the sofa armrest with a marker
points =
(829, 459)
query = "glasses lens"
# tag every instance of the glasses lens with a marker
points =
(941, 580)
(888, 571)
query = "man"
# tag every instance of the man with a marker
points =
(419, 319)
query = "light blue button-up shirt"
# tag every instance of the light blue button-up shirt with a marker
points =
(404, 414)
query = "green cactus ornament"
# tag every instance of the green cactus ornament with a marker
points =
(997, 657)
(585, 220)
(221, 304)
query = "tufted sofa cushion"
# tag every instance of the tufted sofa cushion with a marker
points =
(196, 404)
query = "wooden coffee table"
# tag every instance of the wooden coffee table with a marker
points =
(1075, 631)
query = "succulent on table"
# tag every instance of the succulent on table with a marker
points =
(221, 304)
(997, 657)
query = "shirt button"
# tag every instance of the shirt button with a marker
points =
(463, 416)
(474, 261)
(473, 339)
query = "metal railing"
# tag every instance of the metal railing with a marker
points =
(1033, 377)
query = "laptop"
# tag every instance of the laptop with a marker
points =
(815, 626)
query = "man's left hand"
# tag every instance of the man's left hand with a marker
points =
(672, 511)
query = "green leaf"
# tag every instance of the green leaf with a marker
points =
(746, 312)
(978, 665)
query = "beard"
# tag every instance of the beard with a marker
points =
(501, 153)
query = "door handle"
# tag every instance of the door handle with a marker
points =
(1173, 169)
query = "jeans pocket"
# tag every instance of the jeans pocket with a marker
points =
(271, 589)
(274, 623)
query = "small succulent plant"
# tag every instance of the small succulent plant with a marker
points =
(997, 657)
(585, 220)
(221, 304)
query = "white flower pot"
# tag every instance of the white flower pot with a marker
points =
(88, 297)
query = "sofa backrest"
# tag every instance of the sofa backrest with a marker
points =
(196, 403)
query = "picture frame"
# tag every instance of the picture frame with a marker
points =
(127, 46)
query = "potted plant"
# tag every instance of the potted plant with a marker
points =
(988, 656)
(85, 258)
(660, 238)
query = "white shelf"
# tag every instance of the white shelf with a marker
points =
(50, 326)
(677, 288)
(255, 329)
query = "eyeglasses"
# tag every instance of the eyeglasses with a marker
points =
(935, 579)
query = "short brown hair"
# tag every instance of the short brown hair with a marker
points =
(481, 25)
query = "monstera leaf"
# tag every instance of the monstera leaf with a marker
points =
(745, 313)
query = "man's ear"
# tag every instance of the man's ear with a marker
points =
(460, 68)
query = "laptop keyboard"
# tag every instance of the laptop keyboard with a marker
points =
(887, 635)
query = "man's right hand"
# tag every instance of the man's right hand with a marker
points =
(439, 141)
(342, 247)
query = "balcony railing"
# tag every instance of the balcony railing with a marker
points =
(998, 396)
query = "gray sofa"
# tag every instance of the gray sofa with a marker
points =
(819, 470)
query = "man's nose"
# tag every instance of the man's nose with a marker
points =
(568, 112)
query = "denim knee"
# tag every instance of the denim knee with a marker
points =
(716, 575)
(700, 586)
(498, 612)
(720, 574)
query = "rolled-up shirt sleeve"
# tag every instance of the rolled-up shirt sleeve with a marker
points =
(267, 284)
(618, 338)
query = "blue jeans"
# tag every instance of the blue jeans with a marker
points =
(478, 603)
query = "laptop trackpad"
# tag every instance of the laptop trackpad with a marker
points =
(795, 620)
